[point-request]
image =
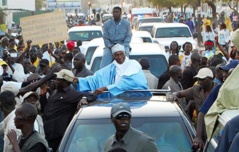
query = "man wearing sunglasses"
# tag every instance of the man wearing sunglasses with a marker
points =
(126, 137)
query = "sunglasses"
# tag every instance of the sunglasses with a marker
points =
(123, 116)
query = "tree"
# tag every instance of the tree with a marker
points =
(166, 3)
(38, 4)
(234, 8)
(2, 16)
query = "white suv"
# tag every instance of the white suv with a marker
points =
(165, 33)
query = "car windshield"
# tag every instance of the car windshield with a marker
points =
(105, 18)
(169, 32)
(154, 61)
(85, 35)
(169, 134)
(146, 28)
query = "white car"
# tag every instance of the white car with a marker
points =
(165, 33)
(156, 55)
(85, 34)
(147, 26)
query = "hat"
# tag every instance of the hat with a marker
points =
(227, 67)
(10, 86)
(30, 93)
(2, 62)
(117, 48)
(209, 43)
(65, 74)
(203, 73)
(70, 45)
(44, 62)
(120, 108)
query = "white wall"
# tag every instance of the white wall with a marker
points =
(21, 4)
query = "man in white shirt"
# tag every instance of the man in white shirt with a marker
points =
(224, 36)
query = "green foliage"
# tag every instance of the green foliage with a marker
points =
(171, 3)
(38, 4)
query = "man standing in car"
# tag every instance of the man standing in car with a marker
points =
(126, 137)
(115, 31)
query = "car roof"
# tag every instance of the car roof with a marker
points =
(107, 14)
(141, 34)
(149, 24)
(149, 18)
(144, 107)
(96, 42)
(228, 115)
(137, 49)
(85, 28)
(162, 25)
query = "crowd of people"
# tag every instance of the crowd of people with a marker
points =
(42, 85)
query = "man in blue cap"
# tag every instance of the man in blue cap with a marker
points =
(126, 137)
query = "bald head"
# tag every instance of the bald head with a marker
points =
(144, 62)
(29, 111)
(195, 57)
(174, 70)
(173, 60)
(80, 56)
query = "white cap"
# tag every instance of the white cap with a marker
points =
(117, 48)
(203, 73)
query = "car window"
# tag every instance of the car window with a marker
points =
(96, 64)
(146, 28)
(85, 35)
(155, 62)
(105, 18)
(169, 134)
(89, 53)
(172, 32)
(146, 39)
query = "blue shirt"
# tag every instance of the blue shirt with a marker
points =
(217, 81)
(210, 100)
(119, 32)
(105, 77)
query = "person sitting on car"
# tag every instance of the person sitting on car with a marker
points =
(121, 75)
(126, 136)
(115, 31)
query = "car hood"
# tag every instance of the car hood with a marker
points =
(180, 40)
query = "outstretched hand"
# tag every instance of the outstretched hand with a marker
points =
(100, 90)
